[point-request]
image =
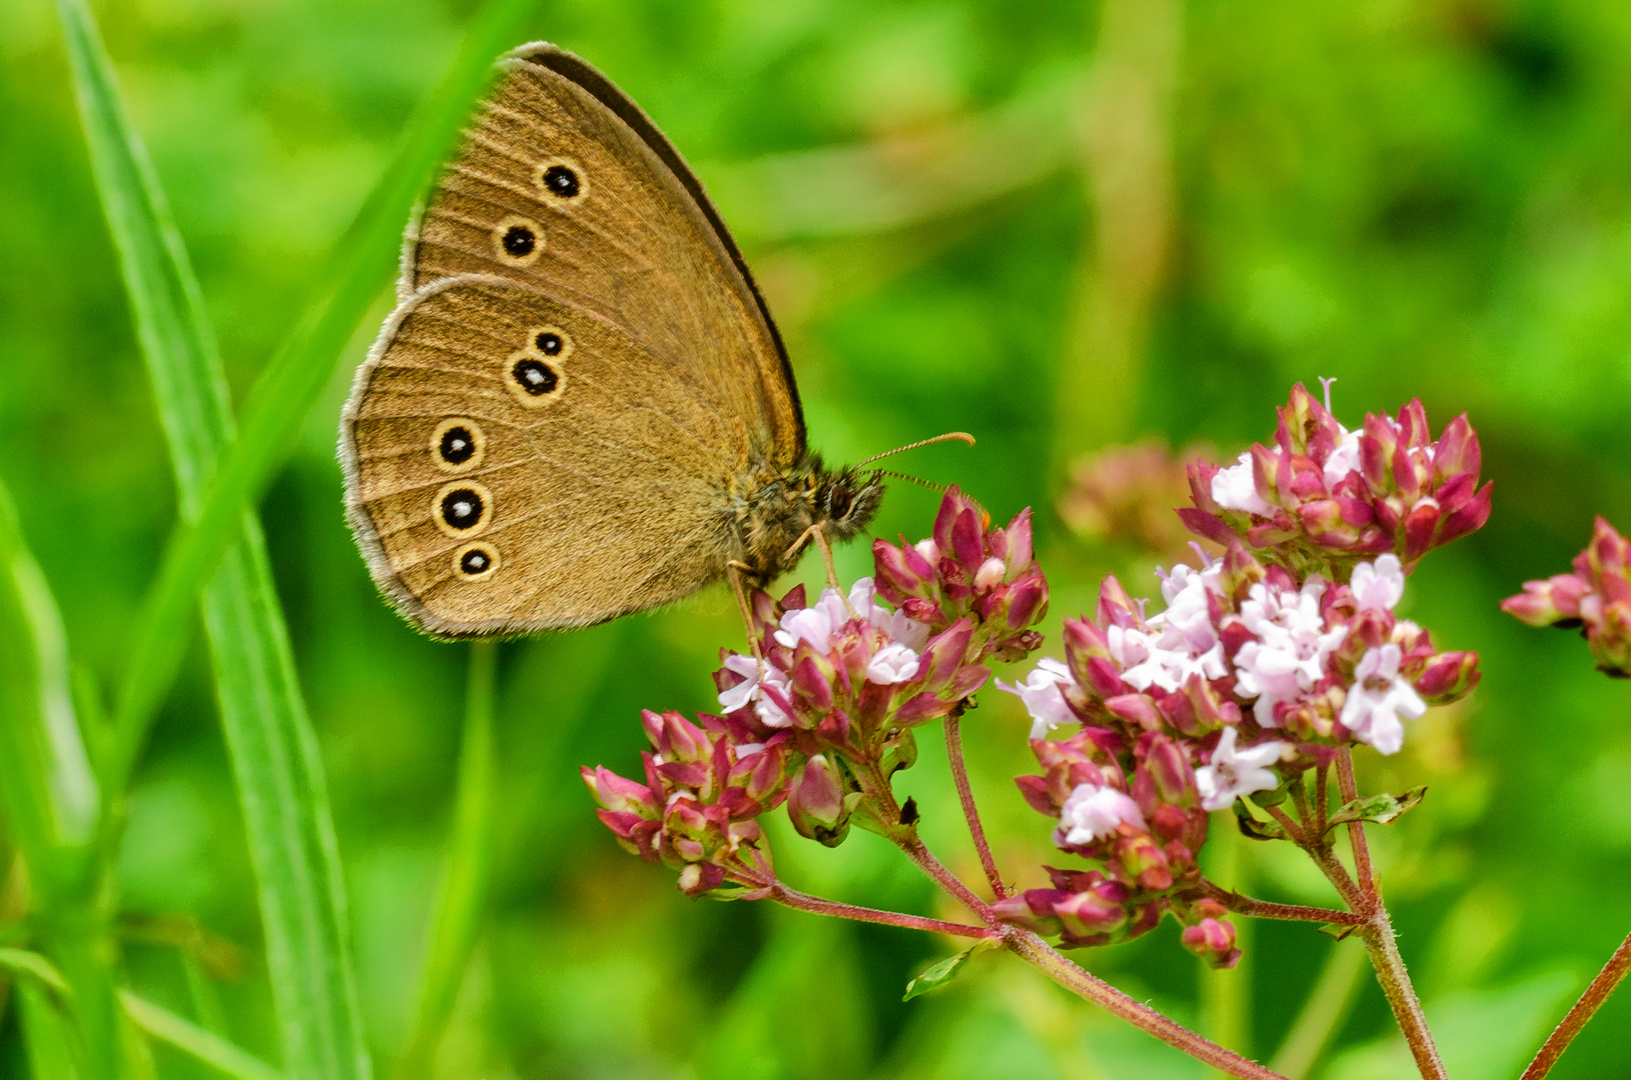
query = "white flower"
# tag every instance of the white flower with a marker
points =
(1289, 653)
(1093, 812)
(1235, 488)
(1043, 693)
(1179, 642)
(1378, 698)
(1378, 586)
(758, 675)
(894, 663)
(1344, 459)
(1233, 773)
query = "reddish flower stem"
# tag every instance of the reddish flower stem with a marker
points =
(1264, 909)
(1382, 947)
(1356, 829)
(971, 812)
(1590, 1001)
(1040, 955)
(814, 904)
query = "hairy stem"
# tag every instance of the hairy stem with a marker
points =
(1356, 829)
(971, 812)
(1264, 909)
(1040, 955)
(1383, 948)
(815, 905)
(1584, 1009)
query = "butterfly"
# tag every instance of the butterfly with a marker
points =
(580, 407)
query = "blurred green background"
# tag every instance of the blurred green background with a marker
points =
(1058, 226)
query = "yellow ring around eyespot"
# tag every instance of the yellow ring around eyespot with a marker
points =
(484, 519)
(561, 202)
(486, 549)
(567, 344)
(501, 232)
(478, 439)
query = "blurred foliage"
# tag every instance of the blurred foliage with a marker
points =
(1050, 224)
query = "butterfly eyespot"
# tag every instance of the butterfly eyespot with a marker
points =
(462, 508)
(475, 561)
(533, 380)
(561, 180)
(517, 241)
(458, 445)
(550, 341)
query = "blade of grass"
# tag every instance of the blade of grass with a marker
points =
(52, 801)
(466, 876)
(47, 1035)
(222, 1056)
(269, 738)
(1323, 1013)
(300, 368)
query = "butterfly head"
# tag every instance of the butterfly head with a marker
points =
(846, 501)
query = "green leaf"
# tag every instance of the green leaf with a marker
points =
(1382, 809)
(36, 967)
(1254, 827)
(47, 789)
(224, 1057)
(466, 874)
(47, 1034)
(362, 262)
(942, 972)
(268, 733)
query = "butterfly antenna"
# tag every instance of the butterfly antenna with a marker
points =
(913, 479)
(960, 436)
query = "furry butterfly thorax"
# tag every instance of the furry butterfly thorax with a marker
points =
(581, 406)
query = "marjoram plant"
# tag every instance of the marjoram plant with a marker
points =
(1269, 664)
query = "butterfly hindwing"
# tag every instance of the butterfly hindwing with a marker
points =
(518, 463)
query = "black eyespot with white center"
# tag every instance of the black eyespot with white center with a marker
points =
(462, 508)
(475, 560)
(534, 377)
(519, 241)
(561, 181)
(549, 342)
(457, 445)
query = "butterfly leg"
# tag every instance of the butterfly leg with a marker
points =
(819, 535)
(735, 571)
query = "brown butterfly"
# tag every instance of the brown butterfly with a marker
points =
(581, 407)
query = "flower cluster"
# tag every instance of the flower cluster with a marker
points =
(1135, 809)
(697, 811)
(1265, 662)
(1325, 497)
(820, 715)
(968, 569)
(1596, 598)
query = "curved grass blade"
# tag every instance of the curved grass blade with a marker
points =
(466, 875)
(299, 370)
(268, 733)
(53, 806)
(224, 1057)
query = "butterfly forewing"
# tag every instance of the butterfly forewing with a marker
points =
(518, 463)
(552, 187)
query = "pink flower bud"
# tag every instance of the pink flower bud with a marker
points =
(1448, 676)
(816, 802)
(1086, 914)
(1213, 940)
